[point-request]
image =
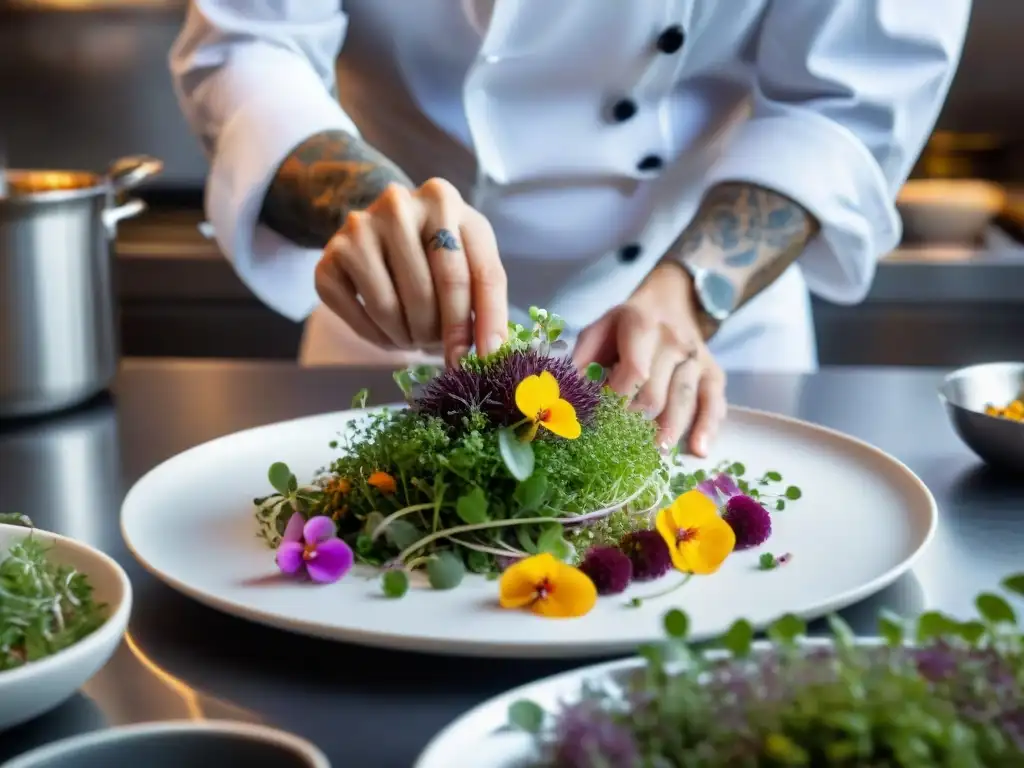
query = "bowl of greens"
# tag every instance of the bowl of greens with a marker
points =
(933, 691)
(63, 609)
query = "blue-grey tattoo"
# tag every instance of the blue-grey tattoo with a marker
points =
(444, 240)
(744, 237)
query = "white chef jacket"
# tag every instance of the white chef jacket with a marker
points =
(520, 104)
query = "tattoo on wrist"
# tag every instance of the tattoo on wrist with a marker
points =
(320, 182)
(746, 236)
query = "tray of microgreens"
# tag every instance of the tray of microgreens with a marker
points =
(520, 466)
(936, 691)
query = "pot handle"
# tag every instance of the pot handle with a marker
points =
(111, 216)
(127, 172)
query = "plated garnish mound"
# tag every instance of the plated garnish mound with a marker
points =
(517, 458)
(933, 692)
(44, 607)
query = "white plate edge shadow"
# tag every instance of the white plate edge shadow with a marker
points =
(489, 649)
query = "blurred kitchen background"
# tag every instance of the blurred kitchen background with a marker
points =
(83, 82)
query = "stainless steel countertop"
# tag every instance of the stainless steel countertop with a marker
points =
(374, 708)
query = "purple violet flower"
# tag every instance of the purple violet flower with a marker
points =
(719, 488)
(311, 547)
(749, 520)
(609, 569)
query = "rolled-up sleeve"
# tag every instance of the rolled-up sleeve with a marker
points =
(847, 92)
(255, 78)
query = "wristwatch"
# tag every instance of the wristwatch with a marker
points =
(715, 295)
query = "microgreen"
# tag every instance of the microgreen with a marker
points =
(938, 691)
(395, 583)
(445, 570)
(45, 607)
(16, 518)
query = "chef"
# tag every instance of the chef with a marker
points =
(672, 177)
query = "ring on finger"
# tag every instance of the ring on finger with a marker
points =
(443, 240)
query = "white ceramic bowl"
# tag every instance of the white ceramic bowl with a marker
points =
(35, 688)
(948, 211)
(178, 744)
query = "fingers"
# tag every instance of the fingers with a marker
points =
(681, 402)
(653, 396)
(596, 343)
(489, 285)
(711, 410)
(397, 220)
(357, 256)
(338, 293)
(637, 341)
(449, 268)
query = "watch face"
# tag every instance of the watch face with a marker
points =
(716, 293)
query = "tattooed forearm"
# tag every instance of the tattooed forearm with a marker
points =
(748, 236)
(324, 178)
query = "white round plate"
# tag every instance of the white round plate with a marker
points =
(863, 520)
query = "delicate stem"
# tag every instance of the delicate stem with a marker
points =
(664, 592)
(447, 532)
(395, 515)
(510, 552)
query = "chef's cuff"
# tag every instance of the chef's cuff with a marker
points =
(822, 166)
(287, 104)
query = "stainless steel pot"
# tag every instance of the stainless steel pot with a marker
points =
(58, 317)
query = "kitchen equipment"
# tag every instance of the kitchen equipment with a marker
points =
(948, 211)
(178, 743)
(58, 342)
(966, 392)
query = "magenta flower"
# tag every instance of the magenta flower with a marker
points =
(719, 488)
(312, 548)
(749, 520)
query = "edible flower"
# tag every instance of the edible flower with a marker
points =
(749, 520)
(383, 482)
(539, 400)
(548, 587)
(311, 547)
(720, 487)
(698, 538)
(646, 550)
(609, 568)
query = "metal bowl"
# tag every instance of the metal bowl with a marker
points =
(966, 392)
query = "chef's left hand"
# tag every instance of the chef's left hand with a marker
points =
(654, 350)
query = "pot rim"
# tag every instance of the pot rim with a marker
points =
(68, 185)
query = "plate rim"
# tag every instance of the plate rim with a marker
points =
(519, 650)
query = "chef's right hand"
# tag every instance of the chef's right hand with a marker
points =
(418, 269)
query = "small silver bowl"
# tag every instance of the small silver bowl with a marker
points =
(177, 744)
(965, 393)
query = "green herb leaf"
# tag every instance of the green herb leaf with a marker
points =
(445, 571)
(739, 639)
(841, 631)
(971, 631)
(404, 381)
(395, 583)
(525, 540)
(891, 628)
(280, 477)
(595, 372)
(421, 374)
(1014, 584)
(995, 609)
(517, 454)
(478, 562)
(773, 476)
(526, 716)
(634, 602)
(551, 540)
(553, 334)
(786, 629)
(402, 534)
(677, 624)
(737, 469)
(472, 507)
(700, 476)
(15, 518)
(932, 625)
(360, 398)
(779, 505)
(793, 493)
(767, 562)
(531, 492)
